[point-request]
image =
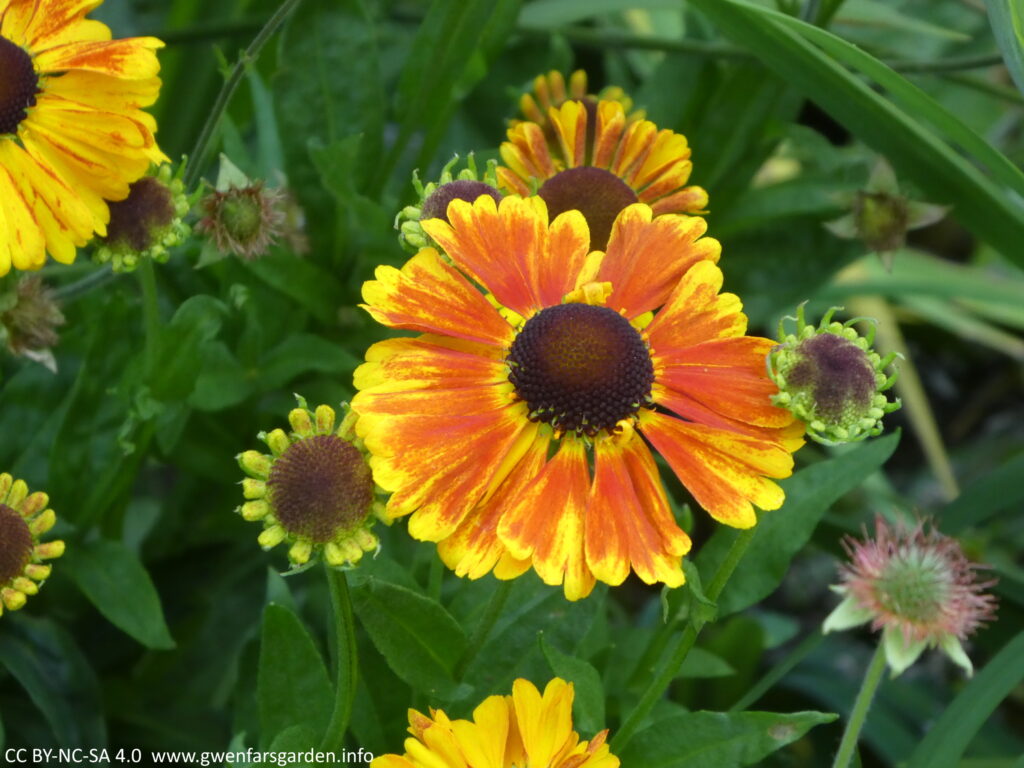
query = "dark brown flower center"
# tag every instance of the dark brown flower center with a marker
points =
(133, 221)
(320, 487)
(837, 373)
(436, 205)
(19, 85)
(580, 368)
(16, 544)
(598, 194)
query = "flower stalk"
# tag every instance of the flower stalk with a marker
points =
(345, 659)
(872, 677)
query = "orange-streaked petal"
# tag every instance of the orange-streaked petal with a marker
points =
(627, 528)
(55, 22)
(686, 200)
(545, 522)
(724, 471)
(611, 122)
(429, 295)
(108, 94)
(440, 467)
(570, 122)
(131, 58)
(23, 240)
(509, 249)
(429, 362)
(726, 375)
(474, 549)
(646, 258)
(696, 312)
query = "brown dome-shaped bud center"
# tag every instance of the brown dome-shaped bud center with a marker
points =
(319, 487)
(598, 194)
(148, 207)
(836, 372)
(580, 367)
(436, 204)
(19, 85)
(16, 544)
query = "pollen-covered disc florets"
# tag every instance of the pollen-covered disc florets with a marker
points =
(830, 377)
(147, 223)
(24, 517)
(433, 198)
(580, 368)
(917, 586)
(19, 86)
(314, 490)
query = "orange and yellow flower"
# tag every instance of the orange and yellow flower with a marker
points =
(511, 428)
(550, 91)
(524, 729)
(72, 131)
(595, 159)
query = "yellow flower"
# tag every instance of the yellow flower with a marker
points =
(24, 517)
(589, 154)
(72, 131)
(313, 491)
(524, 730)
(550, 91)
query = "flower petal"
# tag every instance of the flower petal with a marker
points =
(131, 58)
(428, 295)
(546, 521)
(724, 471)
(646, 258)
(620, 531)
(545, 722)
(726, 375)
(696, 312)
(474, 548)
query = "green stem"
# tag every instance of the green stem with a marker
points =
(779, 671)
(345, 660)
(150, 313)
(435, 579)
(483, 629)
(80, 287)
(860, 709)
(195, 159)
(661, 682)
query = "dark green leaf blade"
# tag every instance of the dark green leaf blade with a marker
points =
(588, 706)
(293, 686)
(718, 739)
(418, 637)
(116, 582)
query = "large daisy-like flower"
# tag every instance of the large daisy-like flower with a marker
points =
(24, 517)
(592, 158)
(511, 429)
(524, 729)
(72, 131)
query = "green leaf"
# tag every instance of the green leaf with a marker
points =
(418, 637)
(1007, 20)
(44, 659)
(588, 706)
(554, 13)
(293, 686)
(877, 14)
(941, 172)
(781, 533)
(311, 286)
(701, 663)
(999, 490)
(951, 735)
(116, 582)
(302, 353)
(718, 739)
(195, 323)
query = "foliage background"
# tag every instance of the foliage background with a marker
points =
(153, 631)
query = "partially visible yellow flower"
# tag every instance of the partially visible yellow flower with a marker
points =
(524, 730)
(598, 161)
(314, 490)
(72, 131)
(550, 91)
(24, 517)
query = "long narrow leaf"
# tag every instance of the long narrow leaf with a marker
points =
(941, 172)
(1007, 19)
